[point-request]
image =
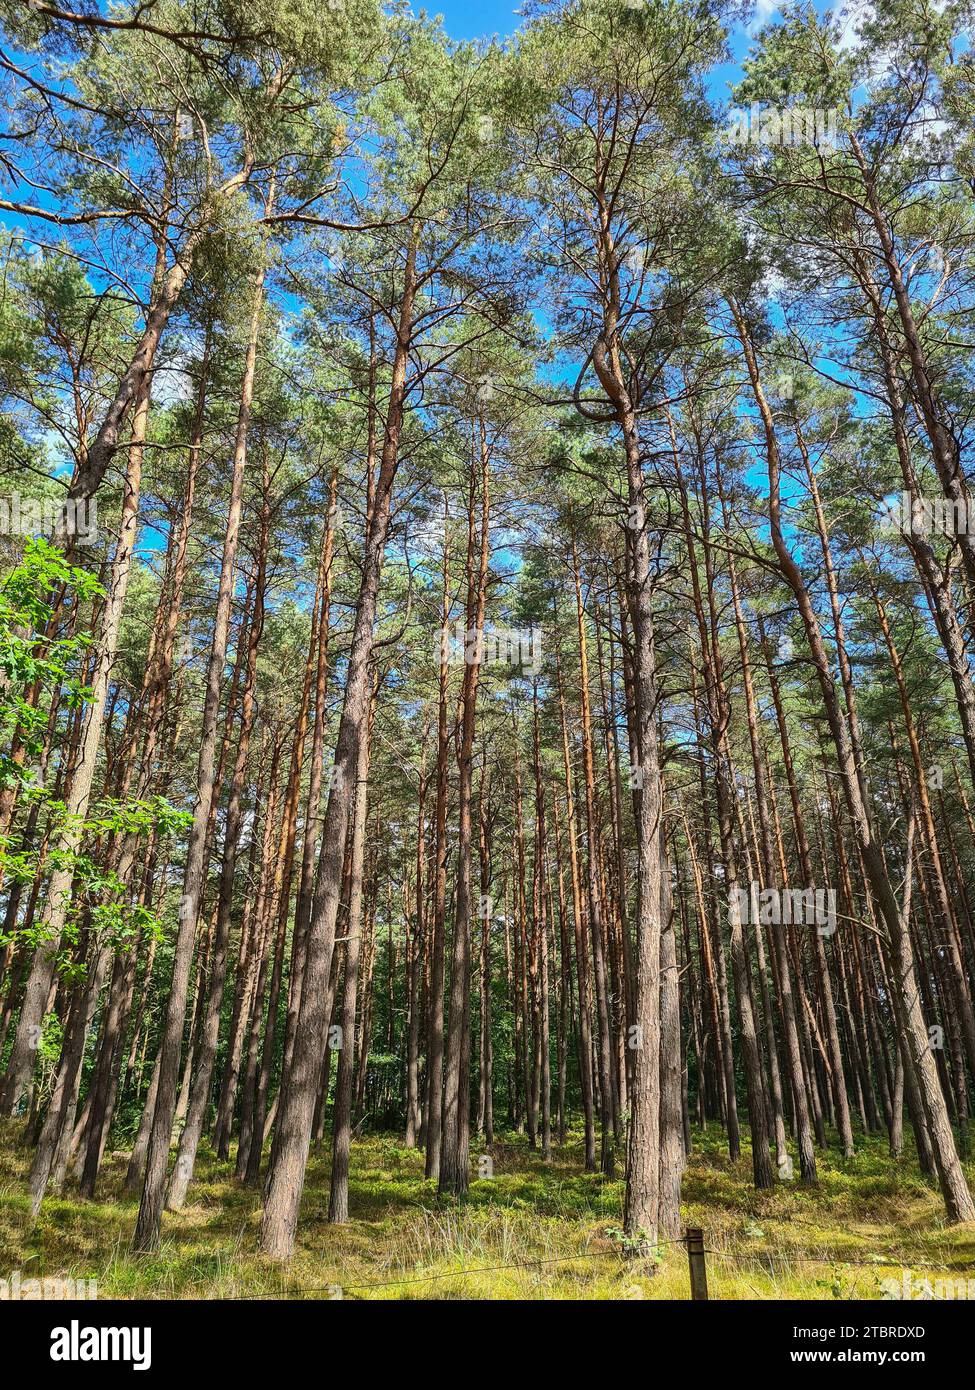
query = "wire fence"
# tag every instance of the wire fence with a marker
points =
(754, 1253)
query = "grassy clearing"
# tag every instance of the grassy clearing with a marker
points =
(868, 1219)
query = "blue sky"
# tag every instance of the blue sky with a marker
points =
(472, 19)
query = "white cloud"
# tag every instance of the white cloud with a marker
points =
(764, 10)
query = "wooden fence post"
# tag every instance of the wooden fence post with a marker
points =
(695, 1259)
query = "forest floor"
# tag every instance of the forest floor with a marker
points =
(533, 1230)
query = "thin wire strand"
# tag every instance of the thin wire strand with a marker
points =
(459, 1273)
(761, 1253)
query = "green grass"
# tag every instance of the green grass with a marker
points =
(533, 1230)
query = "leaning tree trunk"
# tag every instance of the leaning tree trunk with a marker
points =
(146, 1238)
(607, 1096)
(641, 1212)
(299, 1090)
(957, 1196)
(21, 1061)
(434, 1094)
(202, 1080)
(338, 1204)
(455, 1153)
